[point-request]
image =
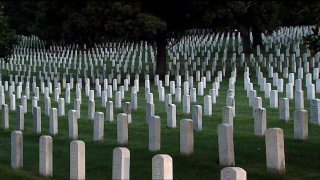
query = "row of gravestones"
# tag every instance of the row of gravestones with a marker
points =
(289, 92)
(300, 114)
(161, 164)
(190, 60)
(154, 130)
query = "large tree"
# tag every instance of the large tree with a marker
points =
(86, 22)
(7, 35)
(313, 40)
(246, 17)
(156, 21)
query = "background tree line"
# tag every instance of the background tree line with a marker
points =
(156, 21)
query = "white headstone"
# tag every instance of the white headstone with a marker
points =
(315, 111)
(227, 116)
(284, 112)
(5, 116)
(300, 124)
(186, 104)
(98, 127)
(91, 109)
(37, 120)
(53, 121)
(186, 137)
(260, 122)
(162, 167)
(197, 117)
(207, 105)
(275, 150)
(45, 156)
(61, 109)
(109, 111)
(73, 124)
(274, 99)
(171, 116)
(233, 173)
(20, 119)
(154, 133)
(77, 160)
(122, 129)
(226, 147)
(121, 163)
(16, 149)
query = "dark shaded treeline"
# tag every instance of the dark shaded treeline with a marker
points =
(156, 21)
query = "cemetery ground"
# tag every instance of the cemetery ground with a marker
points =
(302, 157)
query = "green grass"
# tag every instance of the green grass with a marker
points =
(302, 157)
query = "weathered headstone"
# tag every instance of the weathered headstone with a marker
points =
(197, 117)
(53, 121)
(122, 129)
(289, 91)
(61, 109)
(186, 104)
(109, 111)
(77, 107)
(149, 112)
(77, 160)
(227, 116)
(168, 100)
(127, 110)
(300, 124)
(37, 120)
(98, 127)
(16, 149)
(267, 90)
(260, 122)
(226, 148)
(274, 99)
(233, 173)
(315, 111)
(178, 94)
(284, 112)
(118, 100)
(299, 99)
(171, 116)
(121, 163)
(207, 105)
(5, 116)
(186, 137)
(45, 156)
(162, 167)
(20, 119)
(73, 124)
(47, 105)
(275, 150)
(193, 95)
(311, 92)
(24, 103)
(154, 133)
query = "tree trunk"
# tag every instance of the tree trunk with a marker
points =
(257, 40)
(161, 57)
(246, 44)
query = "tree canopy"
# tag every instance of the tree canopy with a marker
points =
(7, 35)
(157, 21)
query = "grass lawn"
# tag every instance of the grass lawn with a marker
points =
(302, 157)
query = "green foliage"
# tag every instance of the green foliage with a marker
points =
(130, 22)
(86, 22)
(313, 40)
(7, 36)
(243, 15)
(299, 13)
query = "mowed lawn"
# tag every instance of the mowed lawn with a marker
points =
(302, 157)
